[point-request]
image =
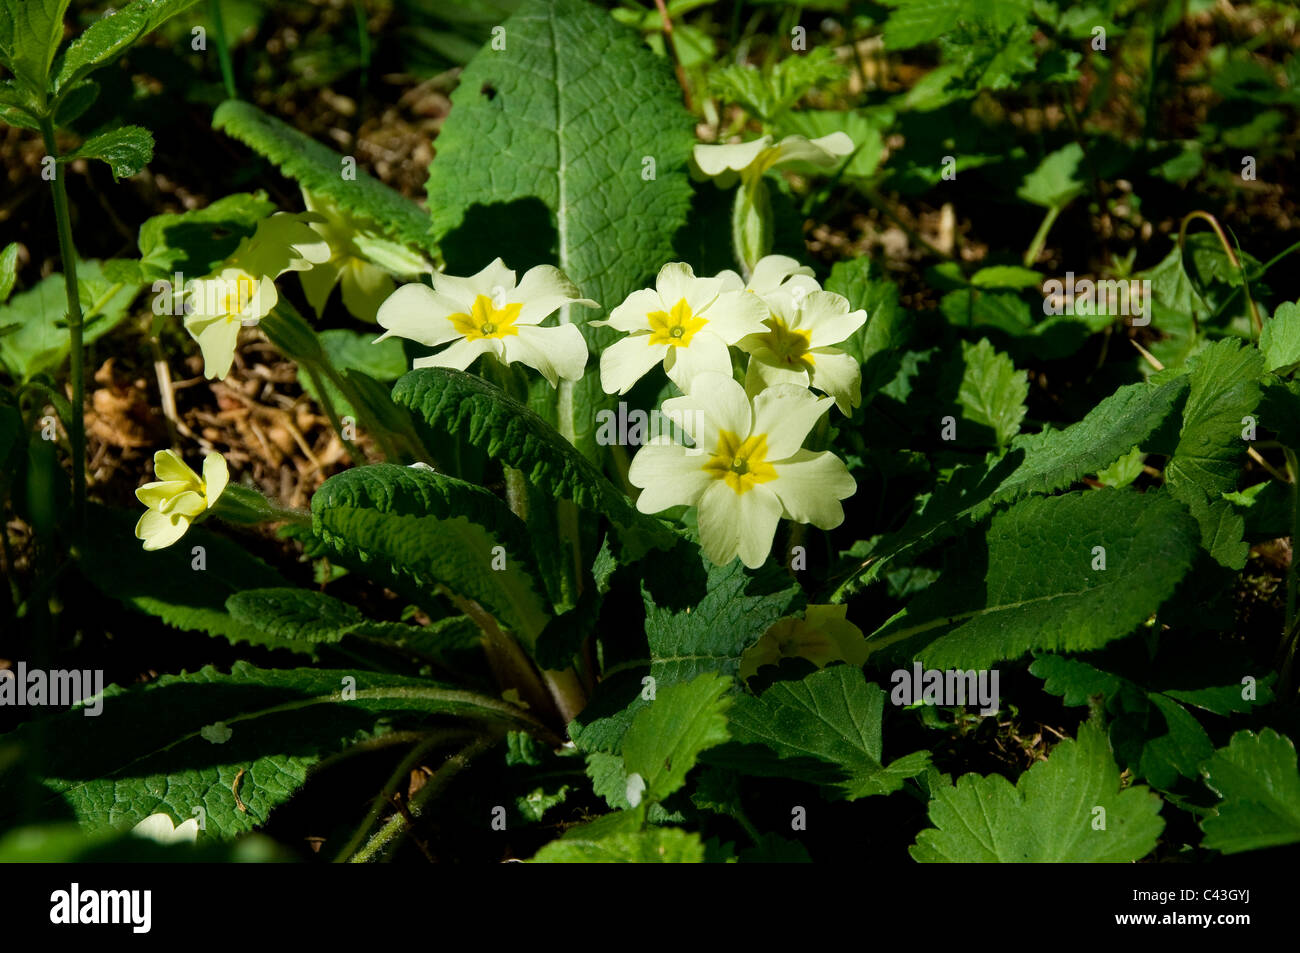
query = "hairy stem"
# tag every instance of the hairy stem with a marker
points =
(68, 257)
(223, 50)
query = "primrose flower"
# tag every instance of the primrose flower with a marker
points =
(822, 636)
(751, 160)
(687, 323)
(360, 261)
(161, 828)
(178, 497)
(747, 469)
(796, 347)
(242, 290)
(488, 313)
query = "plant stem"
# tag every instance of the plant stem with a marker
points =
(1293, 470)
(327, 404)
(388, 834)
(68, 256)
(1040, 237)
(403, 769)
(223, 51)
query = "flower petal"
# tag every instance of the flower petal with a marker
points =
(839, 375)
(168, 465)
(787, 413)
(417, 313)
(716, 159)
(556, 352)
(461, 354)
(707, 354)
(495, 276)
(765, 371)
(827, 317)
(770, 270)
(625, 362)
(741, 524)
(215, 477)
(735, 314)
(825, 151)
(159, 530)
(715, 402)
(810, 486)
(365, 288)
(677, 280)
(544, 290)
(631, 315)
(669, 475)
(217, 339)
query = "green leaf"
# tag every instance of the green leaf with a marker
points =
(665, 739)
(832, 716)
(1224, 380)
(769, 93)
(574, 106)
(41, 341)
(1006, 276)
(992, 392)
(196, 242)
(1257, 779)
(431, 529)
(1280, 339)
(166, 584)
(30, 34)
(920, 21)
(126, 149)
(320, 169)
(659, 845)
(382, 362)
(1056, 181)
(879, 344)
(8, 270)
(1050, 816)
(1124, 470)
(1030, 582)
(454, 402)
(69, 844)
(699, 618)
(113, 770)
(1036, 463)
(111, 34)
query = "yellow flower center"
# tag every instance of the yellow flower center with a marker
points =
(789, 345)
(675, 328)
(239, 295)
(743, 464)
(485, 320)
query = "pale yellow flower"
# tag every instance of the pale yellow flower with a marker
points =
(178, 498)
(822, 636)
(161, 828)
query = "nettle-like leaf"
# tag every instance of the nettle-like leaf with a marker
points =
(454, 402)
(699, 618)
(40, 341)
(169, 583)
(321, 170)
(1151, 730)
(1034, 463)
(1033, 580)
(1257, 778)
(658, 845)
(113, 33)
(832, 717)
(1069, 808)
(30, 34)
(584, 123)
(432, 529)
(1280, 339)
(1056, 181)
(115, 769)
(666, 738)
(127, 150)
(992, 392)
(1224, 388)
